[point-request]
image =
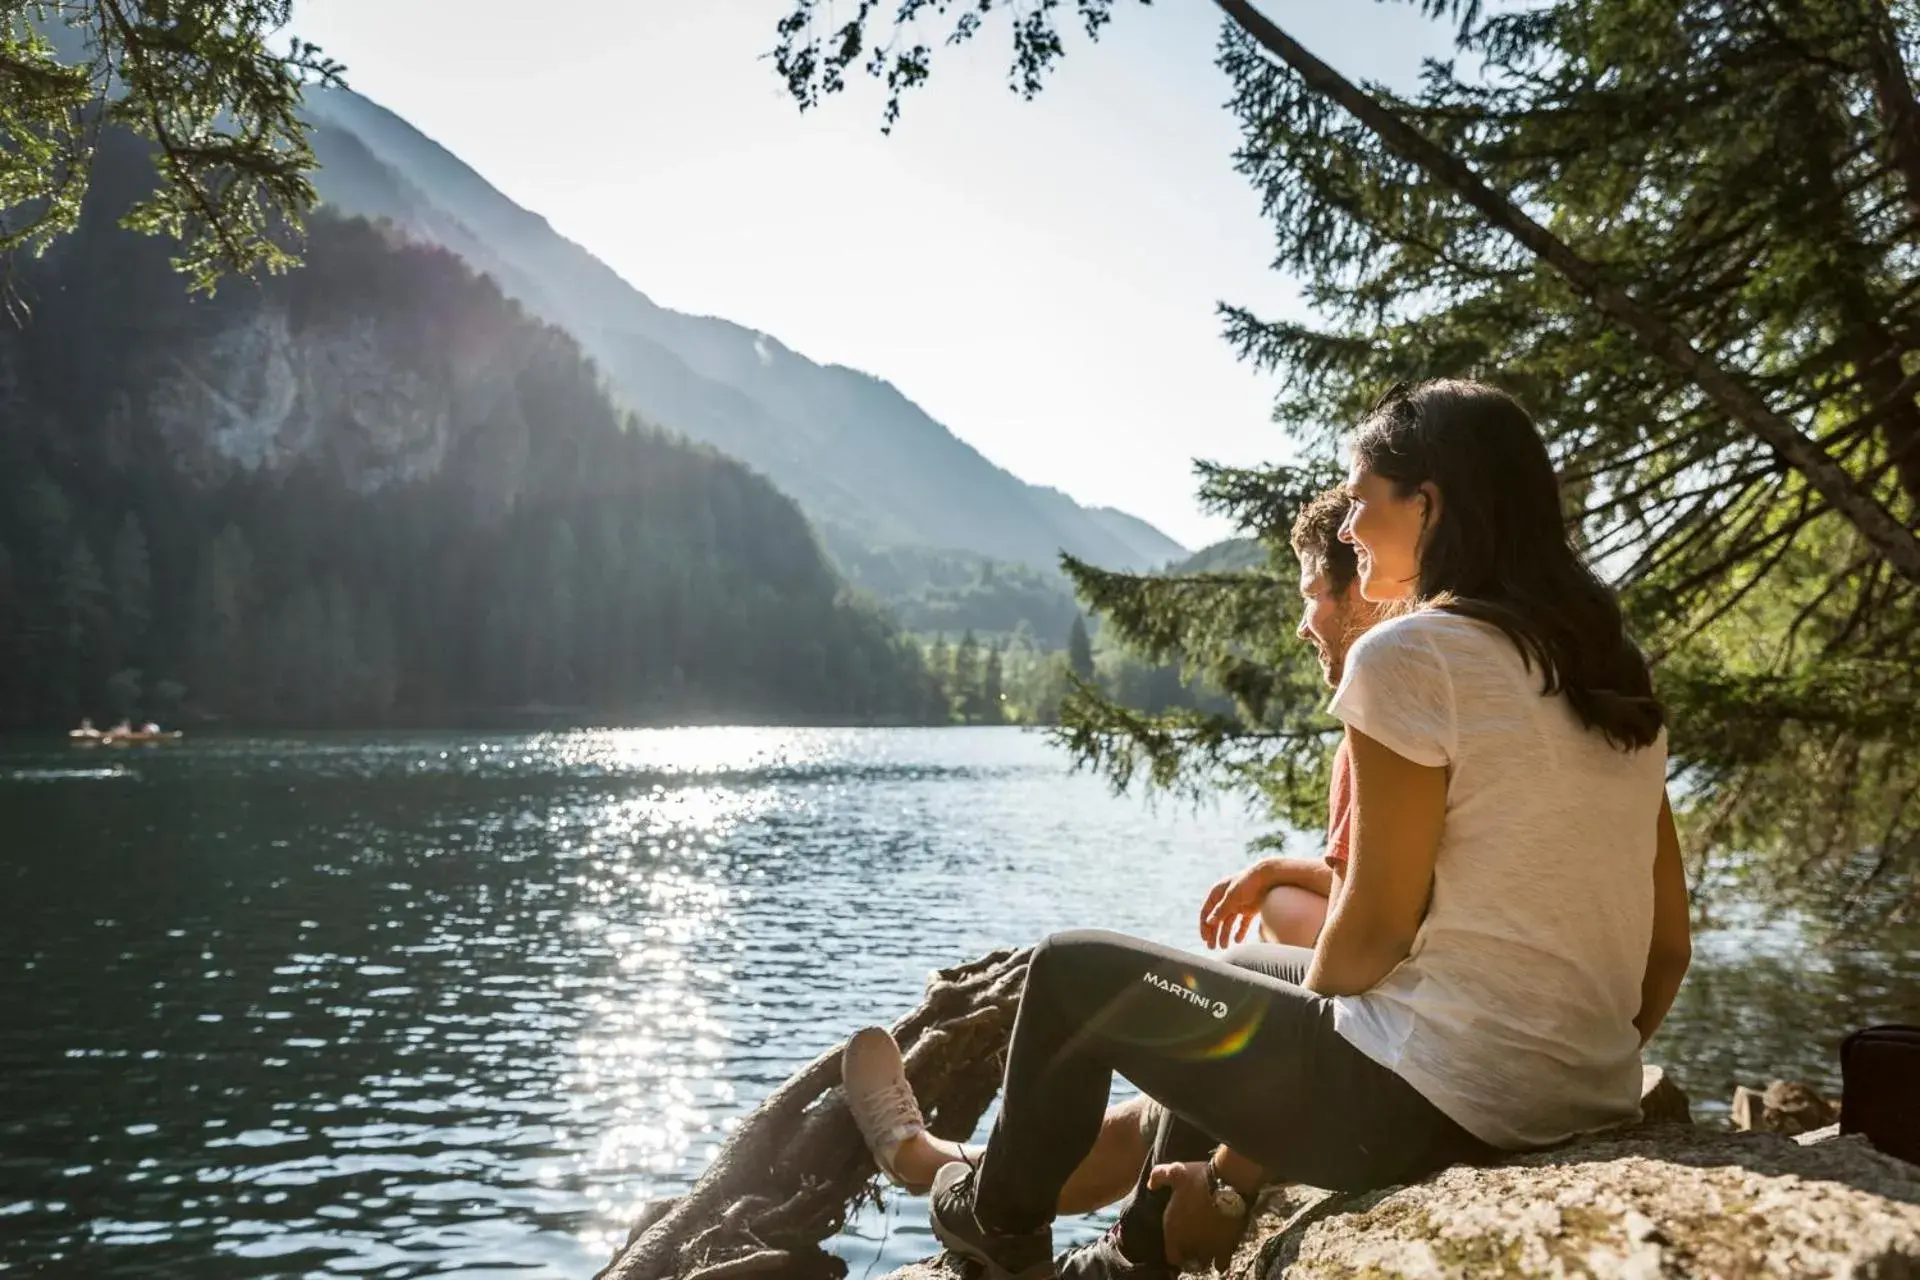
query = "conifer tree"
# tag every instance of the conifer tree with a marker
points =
(1683, 233)
(1080, 649)
(966, 679)
(992, 693)
(131, 583)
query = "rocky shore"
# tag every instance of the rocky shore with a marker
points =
(1776, 1193)
(1656, 1201)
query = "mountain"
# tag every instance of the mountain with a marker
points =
(1235, 555)
(373, 491)
(869, 466)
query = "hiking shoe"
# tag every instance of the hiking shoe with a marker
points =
(1105, 1260)
(880, 1099)
(1027, 1256)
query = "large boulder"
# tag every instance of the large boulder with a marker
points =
(1655, 1202)
(1666, 1201)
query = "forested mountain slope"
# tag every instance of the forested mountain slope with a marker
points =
(377, 491)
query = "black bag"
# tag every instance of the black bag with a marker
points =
(1880, 1088)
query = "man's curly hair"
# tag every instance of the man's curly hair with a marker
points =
(1316, 539)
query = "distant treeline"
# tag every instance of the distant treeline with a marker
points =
(1019, 679)
(373, 491)
(957, 591)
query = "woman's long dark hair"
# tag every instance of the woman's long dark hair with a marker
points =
(1499, 551)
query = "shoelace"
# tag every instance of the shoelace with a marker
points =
(896, 1109)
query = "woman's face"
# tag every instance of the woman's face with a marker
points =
(1386, 531)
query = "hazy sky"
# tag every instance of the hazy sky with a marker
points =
(1041, 277)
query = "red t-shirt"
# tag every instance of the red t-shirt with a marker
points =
(1340, 810)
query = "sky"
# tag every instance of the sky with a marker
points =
(1039, 276)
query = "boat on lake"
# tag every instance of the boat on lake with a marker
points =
(121, 735)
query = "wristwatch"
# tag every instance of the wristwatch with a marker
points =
(1229, 1203)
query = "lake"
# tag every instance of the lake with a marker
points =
(413, 1005)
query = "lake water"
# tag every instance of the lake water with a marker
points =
(418, 1005)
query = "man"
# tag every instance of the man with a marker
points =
(1288, 896)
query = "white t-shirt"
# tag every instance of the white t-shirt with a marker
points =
(1514, 1011)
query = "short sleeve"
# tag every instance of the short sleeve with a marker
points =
(1396, 689)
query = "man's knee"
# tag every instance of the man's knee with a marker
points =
(1292, 916)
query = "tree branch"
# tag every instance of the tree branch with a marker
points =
(1877, 524)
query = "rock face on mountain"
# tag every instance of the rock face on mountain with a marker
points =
(867, 465)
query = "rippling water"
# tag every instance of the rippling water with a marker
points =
(399, 1006)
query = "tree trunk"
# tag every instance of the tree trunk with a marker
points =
(1896, 543)
(784, 1180)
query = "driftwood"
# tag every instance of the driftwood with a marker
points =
(786, 1178)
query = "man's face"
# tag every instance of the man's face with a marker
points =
(1331, 620)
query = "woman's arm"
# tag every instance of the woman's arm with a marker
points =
(1671, 950)
(1398, 807)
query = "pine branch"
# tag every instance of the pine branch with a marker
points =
(1876, 523)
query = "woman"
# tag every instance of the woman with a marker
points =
(1513, 925)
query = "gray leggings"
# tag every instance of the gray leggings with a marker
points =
(1234, 1052)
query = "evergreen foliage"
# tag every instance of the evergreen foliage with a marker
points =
(1080, 649)
(1023, 680)
(211, 84)
(1683, 232)
(528, 550)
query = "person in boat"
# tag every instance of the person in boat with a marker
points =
(86, 729)
(1510, 930)
(1287, 898)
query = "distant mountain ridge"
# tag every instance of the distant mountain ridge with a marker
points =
(870, 467)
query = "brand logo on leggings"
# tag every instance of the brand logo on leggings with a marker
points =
(1218, 1008)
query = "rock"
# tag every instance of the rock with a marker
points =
(1646, 1203)
(1786, 1107)
(1661, 1100)
(1653, 1203)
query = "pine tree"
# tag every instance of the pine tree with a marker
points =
(83, 609)
(940, 667)
(992, 696)
(1080, 649)
(1681, 232)
(223, 616)
(131, 584)
(966, 679)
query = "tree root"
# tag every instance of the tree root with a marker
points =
(786, 1178)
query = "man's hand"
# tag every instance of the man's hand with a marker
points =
(1233, 905)
(1194, 1231)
